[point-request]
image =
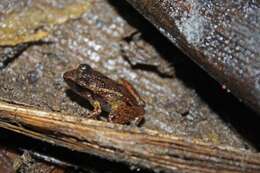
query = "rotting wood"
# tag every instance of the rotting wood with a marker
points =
(139, 146)
(223, 37)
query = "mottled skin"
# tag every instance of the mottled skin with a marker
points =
(120, 99)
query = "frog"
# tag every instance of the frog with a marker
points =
(118, 98)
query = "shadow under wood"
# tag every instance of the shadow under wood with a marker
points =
(230, 109)
(84, 103)
(149, 68)
(84, 162)
(80, 100)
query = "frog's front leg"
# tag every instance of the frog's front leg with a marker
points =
(94, 114)
(96, 104)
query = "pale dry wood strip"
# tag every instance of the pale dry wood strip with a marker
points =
(139, 146)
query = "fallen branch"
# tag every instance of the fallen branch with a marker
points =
(138, 146)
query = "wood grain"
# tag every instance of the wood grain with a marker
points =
(139, 146)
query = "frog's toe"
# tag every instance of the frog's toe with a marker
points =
(96, 111)
(116, 118)
(137, 121)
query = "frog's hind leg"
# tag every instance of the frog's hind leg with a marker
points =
(122, 114)
(116, 117)
(113, 117)
(131, 89)
(96, 111)
(137, 121)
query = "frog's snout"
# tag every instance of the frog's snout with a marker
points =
(66, 75)
(69, 78)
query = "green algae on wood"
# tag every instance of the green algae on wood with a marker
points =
(27, 25)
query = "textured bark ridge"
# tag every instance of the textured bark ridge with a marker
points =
(223, 37)
(139, 146)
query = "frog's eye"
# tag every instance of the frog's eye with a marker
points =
(84, 67)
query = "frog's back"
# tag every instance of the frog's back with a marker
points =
(113, 90)
(103, 86)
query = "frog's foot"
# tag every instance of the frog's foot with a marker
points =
(131, 89)
(96, 111)
(136, 122)
(114, 117)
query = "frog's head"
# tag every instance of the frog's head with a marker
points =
(70, 77)
(78, 77)
(84, 68)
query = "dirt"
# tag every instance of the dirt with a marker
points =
(188, 103)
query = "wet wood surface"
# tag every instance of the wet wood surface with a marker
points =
(223, 37)
(137, 146)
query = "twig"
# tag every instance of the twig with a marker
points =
(138, 146)
(49, 159)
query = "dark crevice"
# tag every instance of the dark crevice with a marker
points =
(83, 161)
(8, 54)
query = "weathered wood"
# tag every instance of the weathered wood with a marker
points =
(223, 37)
(138, 146)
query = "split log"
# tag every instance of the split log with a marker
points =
(139, 146)
(223, 37)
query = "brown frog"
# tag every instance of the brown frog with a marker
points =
(120, 99)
